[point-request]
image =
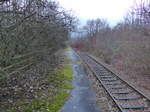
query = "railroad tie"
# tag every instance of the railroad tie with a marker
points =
(133, 107)
(114, 79)
(117, 87)
(127, 98)
(122, 92)
(114, 83)
(106, 76)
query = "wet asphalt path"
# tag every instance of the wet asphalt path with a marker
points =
(83, 98)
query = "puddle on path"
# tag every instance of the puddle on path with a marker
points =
(83, 98)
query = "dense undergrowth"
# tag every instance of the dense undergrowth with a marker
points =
(28, 26)
(50, 98)
(34, 29)
(126, 45)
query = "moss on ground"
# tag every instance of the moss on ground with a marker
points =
(52, 99)
(78, 62)
(60, 81)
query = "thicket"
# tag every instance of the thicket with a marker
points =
(31, 32)
(125, 46)
(43, 88)
(27, 26)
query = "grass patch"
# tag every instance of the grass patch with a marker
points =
(54, 97)
(78, 62)
(46, 103)
(67, 49)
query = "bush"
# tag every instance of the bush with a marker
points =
(30, 25)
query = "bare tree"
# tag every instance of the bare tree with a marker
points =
(27, 25)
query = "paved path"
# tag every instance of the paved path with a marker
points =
(83, 98)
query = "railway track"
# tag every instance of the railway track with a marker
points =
(126, 97)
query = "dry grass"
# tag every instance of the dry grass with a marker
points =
(127, 50)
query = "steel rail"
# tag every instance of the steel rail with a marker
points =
(119, 77)
(104, 85)
(96, 76)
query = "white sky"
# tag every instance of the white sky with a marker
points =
(112, 10)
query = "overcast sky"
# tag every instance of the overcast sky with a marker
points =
(112, 10)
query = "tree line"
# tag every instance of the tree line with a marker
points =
(126, 45)
(30, 25)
